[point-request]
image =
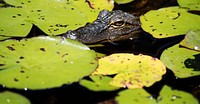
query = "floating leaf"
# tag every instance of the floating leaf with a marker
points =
(13, 22)
(7, 97)
(95, 7)
(44, 62)
(54, 17)
(183, 62)
(167, 22)
(133, 71)
(98, 83)
(135, 96)
(169, 96)
(192, 4)
(123, 1)
(192, 40)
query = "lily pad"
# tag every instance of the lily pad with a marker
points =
(192, 4)
(8, 97)
(135, 96)
(98, 83)
(44, 62)
(183, 62)
(192, 40)
(54, 17)
(123, 1)
(133, 71)
(169, 96)
(171, 21)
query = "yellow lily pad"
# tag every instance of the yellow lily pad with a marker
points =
(133, 71)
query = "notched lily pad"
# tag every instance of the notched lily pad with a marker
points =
(166, 96)
(133, 71)
(183, 62)
(169, 96)
(192, 40)
(171, 21)
(54, 17)
(8, 97)
(98, 83)
(44, 62)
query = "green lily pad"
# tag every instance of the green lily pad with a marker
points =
(54, 17)
(91, 8)
(133, 71)
(123, 1)
(44, 62)
(169, 96)
(8, 97)
(192, 40)
(135, 96)
(192, 4)
(171, 21)
(98, 83)
(183, 62)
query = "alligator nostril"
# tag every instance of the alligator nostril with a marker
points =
(71, 35)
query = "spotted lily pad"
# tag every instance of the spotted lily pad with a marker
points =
(183, 62)
(169, 96)
(44, 62)
(171, 21)
(192, 40)
(98, 83)
(54, 17)
(192, 4)
(8, 97)
(133, 71)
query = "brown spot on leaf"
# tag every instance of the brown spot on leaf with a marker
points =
(10, 48)
(2, 64)
(64, 55)
(2, 56)
(13, 16)
(43, 49)
(21, 57)
(92, 63)
(19, 14)
(16, 80)
(22, 71)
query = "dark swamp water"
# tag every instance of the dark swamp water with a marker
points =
(145, 44)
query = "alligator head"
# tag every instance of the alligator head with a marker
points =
(108, 27)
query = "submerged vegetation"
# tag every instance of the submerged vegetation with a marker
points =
(34, 58)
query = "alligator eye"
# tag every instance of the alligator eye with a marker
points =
(118, 24)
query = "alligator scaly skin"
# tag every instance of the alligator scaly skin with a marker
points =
(108, 27)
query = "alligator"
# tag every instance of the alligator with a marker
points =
(110, 26)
